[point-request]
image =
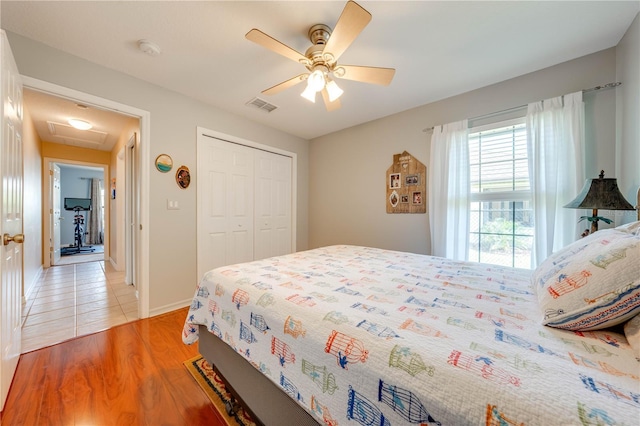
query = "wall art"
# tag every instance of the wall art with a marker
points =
(406, 185)
(164, 163)
(183, 177)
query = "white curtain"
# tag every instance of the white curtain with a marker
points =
(449, 189)
(555, 141)
(96, 231)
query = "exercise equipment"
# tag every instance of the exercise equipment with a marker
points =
(77, 205)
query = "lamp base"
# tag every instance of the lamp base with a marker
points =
(594, 221)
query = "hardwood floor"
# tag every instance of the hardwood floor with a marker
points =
(132, 374)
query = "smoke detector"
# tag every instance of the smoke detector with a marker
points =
(149, 47)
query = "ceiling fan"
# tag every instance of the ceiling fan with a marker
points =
(321, 59)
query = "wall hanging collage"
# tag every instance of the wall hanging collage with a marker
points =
(164, 164)
(406, 185)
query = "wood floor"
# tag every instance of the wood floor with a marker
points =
(132, 374)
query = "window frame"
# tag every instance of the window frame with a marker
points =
(510, 197)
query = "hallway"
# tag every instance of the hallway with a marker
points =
(75, 300)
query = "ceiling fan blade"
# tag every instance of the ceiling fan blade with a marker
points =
(373, 75)
(274, 45)
(350, 24)
(331, 106)
(285, 84)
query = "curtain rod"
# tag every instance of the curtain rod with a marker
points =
(592, 89)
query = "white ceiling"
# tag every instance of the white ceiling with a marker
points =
(438, 48)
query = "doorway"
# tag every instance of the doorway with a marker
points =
(141, 248)
(81, 291)
(79, 227)
(142, 143)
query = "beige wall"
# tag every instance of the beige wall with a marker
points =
(174, 118)
(347, 170)
(74, 153)
(628, 117)
(32, 206)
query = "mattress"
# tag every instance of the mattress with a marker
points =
(360, 335)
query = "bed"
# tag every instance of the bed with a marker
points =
(348, 335)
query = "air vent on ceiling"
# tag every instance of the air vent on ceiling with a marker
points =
(261, 104)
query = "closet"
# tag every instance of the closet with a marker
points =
(245, 201)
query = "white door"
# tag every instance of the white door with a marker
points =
(225, 199)
(10, 217)
(272, 204)
(55, 214)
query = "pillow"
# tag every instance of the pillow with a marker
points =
(592, 283)
(631, 228)
(632, 331)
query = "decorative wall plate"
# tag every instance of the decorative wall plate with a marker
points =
(183, 177)
(164, 163)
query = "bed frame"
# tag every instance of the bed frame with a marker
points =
(266, 402)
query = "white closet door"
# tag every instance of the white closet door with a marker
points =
(226, 193)
(272, 204)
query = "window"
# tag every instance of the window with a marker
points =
(501, 218)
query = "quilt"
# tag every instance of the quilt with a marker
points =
(359, 335)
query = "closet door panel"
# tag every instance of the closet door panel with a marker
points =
(273, 204)
(244, 202)
(225, 199)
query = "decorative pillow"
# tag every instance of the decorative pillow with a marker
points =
(592, 283)
(632, 331)
(631, 228)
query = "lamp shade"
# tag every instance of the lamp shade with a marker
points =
(600, 193)
(334, 91)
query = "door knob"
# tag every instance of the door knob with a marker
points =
(18, 239)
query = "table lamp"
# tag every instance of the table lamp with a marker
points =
(597, 194)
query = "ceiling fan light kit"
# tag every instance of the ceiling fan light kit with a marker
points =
(309, 94)
(316, 80)
(334, 91)
(319, 80)
(321, 58)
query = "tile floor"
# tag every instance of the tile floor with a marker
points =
(75, 300)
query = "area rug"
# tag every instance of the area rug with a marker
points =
(213, 386)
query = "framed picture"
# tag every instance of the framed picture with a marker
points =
(412, 180)
(416, 197)
(183, 177)
(164, 163)
(404, 199)
(394, 180)
(394, 198)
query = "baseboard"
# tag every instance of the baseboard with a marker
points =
(115, 264)
(168, 308)
(32, 287)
